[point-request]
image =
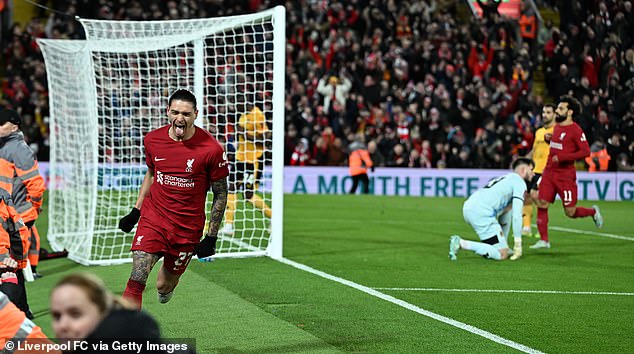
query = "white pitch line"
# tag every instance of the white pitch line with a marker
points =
(594, 233)
(511, 291)
(475, 330)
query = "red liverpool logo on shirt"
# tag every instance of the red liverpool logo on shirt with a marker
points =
(190, 162)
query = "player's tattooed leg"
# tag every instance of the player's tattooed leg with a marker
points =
(142, 264)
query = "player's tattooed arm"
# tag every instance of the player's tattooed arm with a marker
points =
(219, 188)
(142, 263)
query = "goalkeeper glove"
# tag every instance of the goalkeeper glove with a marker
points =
(517, 250)
(206, 247)
(126, 224)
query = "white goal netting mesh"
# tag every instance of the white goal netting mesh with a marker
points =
(109, 90)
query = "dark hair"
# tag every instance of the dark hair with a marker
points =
(550, 105)
(573, 105)
(522, 161)
(9, 115)
(183, 95)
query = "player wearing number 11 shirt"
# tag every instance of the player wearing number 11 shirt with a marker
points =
(568, 144)
(183, 161)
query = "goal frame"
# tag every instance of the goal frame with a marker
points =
(79, 56)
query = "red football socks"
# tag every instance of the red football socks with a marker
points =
(134, 292)
(542, 223)
(581, 212)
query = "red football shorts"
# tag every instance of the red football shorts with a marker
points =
(564, 186)
(154, 238)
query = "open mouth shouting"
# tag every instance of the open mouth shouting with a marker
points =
(179, 128)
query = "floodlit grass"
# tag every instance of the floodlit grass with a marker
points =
(397, 245)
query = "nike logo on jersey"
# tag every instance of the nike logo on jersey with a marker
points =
(157, 159)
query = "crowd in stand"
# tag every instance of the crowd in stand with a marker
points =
(418, 86)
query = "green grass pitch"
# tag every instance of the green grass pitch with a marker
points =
(577, 297)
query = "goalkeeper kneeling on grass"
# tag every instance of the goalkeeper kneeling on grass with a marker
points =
(183, 161)
(491, 210)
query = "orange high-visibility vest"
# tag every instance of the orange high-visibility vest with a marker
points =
(603, 159)
(14, 235)
(359, 162)
(20, 176)
(528, 28)
(16, 327)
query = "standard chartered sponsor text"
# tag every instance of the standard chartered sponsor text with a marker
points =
(178, 181)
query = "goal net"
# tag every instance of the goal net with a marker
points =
(108, 91)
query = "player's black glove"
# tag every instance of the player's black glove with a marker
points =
(206, 247)
(126, 224)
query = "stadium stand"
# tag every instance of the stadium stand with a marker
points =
(428, 87)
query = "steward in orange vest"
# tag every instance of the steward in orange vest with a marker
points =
(14, 240)
(14, 235)
(358, 163)
(20, 176)
(16, 328)
(528, 27)
(19, 172)
(598, 161)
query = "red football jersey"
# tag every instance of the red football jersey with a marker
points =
(183, 172)
(569, 144)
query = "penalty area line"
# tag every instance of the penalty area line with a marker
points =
(555, 292)
(370, 291)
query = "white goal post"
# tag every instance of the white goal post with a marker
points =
(108, 91)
